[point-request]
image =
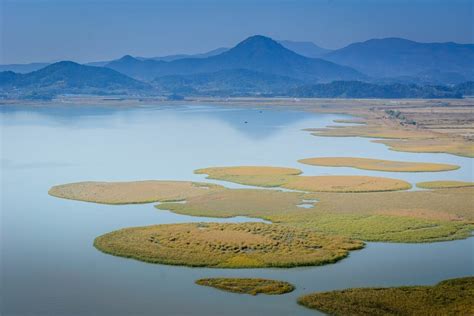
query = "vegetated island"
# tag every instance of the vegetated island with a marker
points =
(252, 286)
(405, 216)
(377, 164)
(131, 192)
(247, 245)
(262, 176)
(444, 184)
(449, 297)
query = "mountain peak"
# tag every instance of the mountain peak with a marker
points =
(128, 58)
(258, 37)
(260, 49)
(259, 41)
(64, 63)
(61, 65)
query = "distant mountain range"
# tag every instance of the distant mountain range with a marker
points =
(213, 52)
(307, 49)
(397, 58)
(256, 53)
(262, 66)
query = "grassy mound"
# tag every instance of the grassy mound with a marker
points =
(248, 245)
(378, 164)
(131, 192)
(444, 184)
(450, 297)
(248, 285)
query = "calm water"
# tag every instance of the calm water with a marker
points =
(50, 267)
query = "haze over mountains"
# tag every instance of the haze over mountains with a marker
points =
(397, 57)
(307, 49)
(256, 53)
(262, 66)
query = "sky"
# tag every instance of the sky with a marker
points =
(86, 30)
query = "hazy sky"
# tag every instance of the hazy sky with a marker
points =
(86, 30)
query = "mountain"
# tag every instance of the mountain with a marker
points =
(307, 49)
(213, 52)
(23, 68)
(232, 82)
(396, 57)
(69, 77)
(256, 53)
(358, 89)
(140, 69)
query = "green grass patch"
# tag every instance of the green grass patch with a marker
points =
(252, 286)
(450, 297)
(410, 216)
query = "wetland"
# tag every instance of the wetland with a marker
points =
(99, 162)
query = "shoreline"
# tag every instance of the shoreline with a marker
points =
(408, 125)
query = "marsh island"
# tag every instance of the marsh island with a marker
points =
(249, 245)
(252, 286)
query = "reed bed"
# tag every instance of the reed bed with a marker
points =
(248, 245)
(406, 216)
(450, 297)
(252, 286)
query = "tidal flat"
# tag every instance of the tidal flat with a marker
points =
(151, 134)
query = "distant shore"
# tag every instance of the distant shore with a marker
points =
(325, 103)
